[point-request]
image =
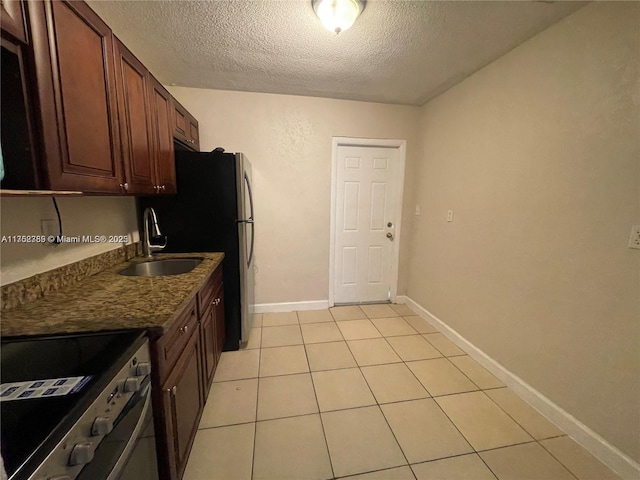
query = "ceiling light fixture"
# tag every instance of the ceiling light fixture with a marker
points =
(338, 15)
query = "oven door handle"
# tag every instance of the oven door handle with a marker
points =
(126, 453)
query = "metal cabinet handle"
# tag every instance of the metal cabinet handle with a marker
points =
(162, 187)
(124, 186)
(184, 329)
(215, 301)
(173, 390)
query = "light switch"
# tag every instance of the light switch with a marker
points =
(417, 210)
(450, 216)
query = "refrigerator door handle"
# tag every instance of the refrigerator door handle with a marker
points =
(250, 219)
(251, 251)
(246, 180)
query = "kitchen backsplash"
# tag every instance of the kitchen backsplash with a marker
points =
(37, 286)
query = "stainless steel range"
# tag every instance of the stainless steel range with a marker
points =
(75, 406)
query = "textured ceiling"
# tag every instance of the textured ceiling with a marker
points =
(402, 52)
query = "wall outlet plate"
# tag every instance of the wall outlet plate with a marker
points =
(634, 239)
(48, 227)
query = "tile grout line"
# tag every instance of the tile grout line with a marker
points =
(561, 462)
(376, 400)
(378, 403)
(492, 400)
(425, 388)
(445, 413)
(255, 423)
(313, 385)
(536, 440)
(438, 405)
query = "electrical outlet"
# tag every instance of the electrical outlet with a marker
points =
(49, 227)
(450, 216)
(634, 238)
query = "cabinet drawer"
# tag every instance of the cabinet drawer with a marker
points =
(207, 293)
(171, 344)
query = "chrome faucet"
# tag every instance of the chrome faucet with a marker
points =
(147, 248)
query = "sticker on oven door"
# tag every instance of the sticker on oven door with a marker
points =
(52, 387)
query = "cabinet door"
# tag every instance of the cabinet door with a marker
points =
(74, 65)
(185, 127)
(134, 113)
(161, 108)
(194, 133)
(12, 19)
(182, 406)
(209, 353)
(219, 320)
(181, 129)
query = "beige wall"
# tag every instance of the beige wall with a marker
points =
(288, 141)
(538, 154)
(80, 216)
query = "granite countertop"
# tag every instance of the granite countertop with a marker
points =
(108, 301)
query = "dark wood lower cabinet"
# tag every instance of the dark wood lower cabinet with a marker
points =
(219, 320)
(209, 354)
(212, 324)
(182, 406)
(185, 360)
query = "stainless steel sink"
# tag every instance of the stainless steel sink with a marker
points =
(161, 268)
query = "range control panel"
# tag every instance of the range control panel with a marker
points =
(77, 448)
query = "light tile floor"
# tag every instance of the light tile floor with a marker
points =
(371, 393)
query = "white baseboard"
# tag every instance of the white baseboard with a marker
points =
(291, 306)
(618, 461)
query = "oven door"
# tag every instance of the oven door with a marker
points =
(126, 453)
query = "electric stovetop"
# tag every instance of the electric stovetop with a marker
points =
(47, 383)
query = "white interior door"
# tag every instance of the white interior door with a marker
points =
(367, 199)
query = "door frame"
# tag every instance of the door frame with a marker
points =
(401, 145)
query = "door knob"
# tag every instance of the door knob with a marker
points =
(390, 236)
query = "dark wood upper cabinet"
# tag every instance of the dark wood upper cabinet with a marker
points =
(12, 19)
(180, 122)
(74, 66)
(162, 125)
(92, 118)
(185, 127)
(134, 114)
(194, 133)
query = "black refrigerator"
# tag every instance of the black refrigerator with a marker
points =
(213, 212)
